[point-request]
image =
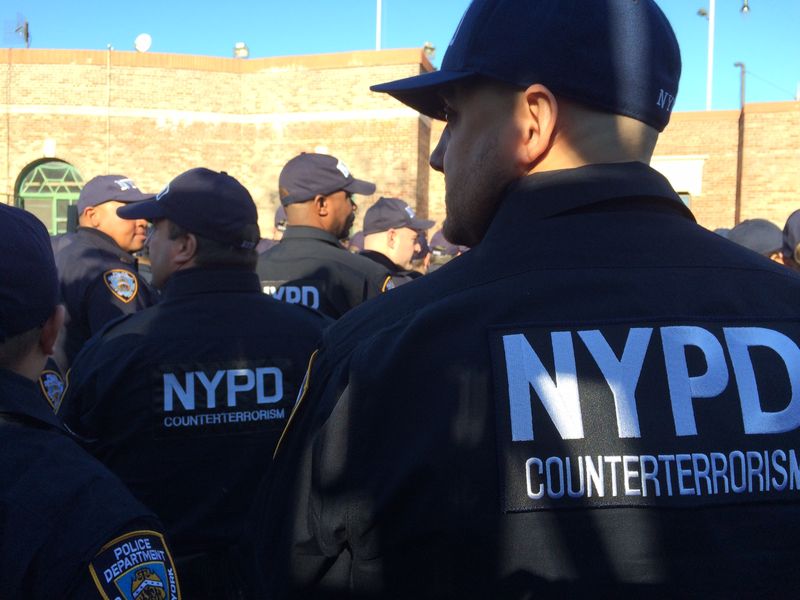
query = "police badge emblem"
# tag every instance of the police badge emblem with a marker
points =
(135, 566)
(123, 284)
(52, 387)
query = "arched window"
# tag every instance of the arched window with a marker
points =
(46, 189)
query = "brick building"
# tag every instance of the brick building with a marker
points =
(68, 115)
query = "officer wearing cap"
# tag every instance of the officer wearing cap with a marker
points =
(443, 251)
(70, 528)
(185, 400)
(790, 248)
(759, 235)
(98, 275)
(391, 233)
(277, 231)
(310, 266)
(618, 411)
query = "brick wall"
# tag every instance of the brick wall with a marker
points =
(151, 116)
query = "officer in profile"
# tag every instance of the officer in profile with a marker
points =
(68, 524)
(391, 237)
(616, 416)
(310, 266)
(185, 401)
(97, 272)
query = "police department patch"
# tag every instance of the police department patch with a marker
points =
(123, 284)
(52, 387)
(135, 566)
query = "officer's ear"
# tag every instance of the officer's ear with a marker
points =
(50, 329)
(539, 114)
(321, 205)
(391, 236)
(186, 248)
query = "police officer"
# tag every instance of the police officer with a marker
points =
(278, 228)
(391, 237)
(310, 266)
(185, 400)
(759, 235)
(70, 529)
(98, 277)
(443, 251)
(790, 249)
(618, 411)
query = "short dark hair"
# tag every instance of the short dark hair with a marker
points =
(211, 254)
(14, 349)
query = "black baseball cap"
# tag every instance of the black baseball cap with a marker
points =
(107, 188)
(210, 204)
(790, 247)
(392, 213)
(309, 175)
(29, 282)
(441, 246)
(619, 56)
(759, 235)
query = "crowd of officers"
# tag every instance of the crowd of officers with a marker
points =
(182, 375)
(230, 423)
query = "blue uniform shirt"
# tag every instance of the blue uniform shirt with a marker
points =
(69, 527)
(185, 401)
(99, 282)
(610, 404)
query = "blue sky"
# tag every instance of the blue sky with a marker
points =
(767, 39)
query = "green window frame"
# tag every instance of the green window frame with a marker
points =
(47, 190)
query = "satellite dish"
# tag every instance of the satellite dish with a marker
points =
(143, 42)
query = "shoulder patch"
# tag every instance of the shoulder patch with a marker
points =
(52, 387)
(122, 283)
(135, 566)
(388, 284)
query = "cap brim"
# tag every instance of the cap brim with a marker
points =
(361, 187)
(421, 224)
(133, 196)
(421, 92)
(150, 210)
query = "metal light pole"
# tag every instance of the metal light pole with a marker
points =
(737, 214)
(378, 26)
(710, 72)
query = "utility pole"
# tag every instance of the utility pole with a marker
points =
(378, 26)
(739, 149)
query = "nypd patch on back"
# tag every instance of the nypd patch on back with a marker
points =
(135, 566)
(52, 387)
(221, 398)
(122, 283)
(663, 414)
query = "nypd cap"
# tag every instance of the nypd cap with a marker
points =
(29, 288)
(392, 213)
(107, 188)
(619, 56)
(759, 235)
(308, 175)
(441, 246)
(791, 237)
(210, 204)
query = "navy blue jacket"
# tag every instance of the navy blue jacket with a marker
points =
(185, 401)
(310, 267)
(62, 514)
(606, 400)
(99, 282)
